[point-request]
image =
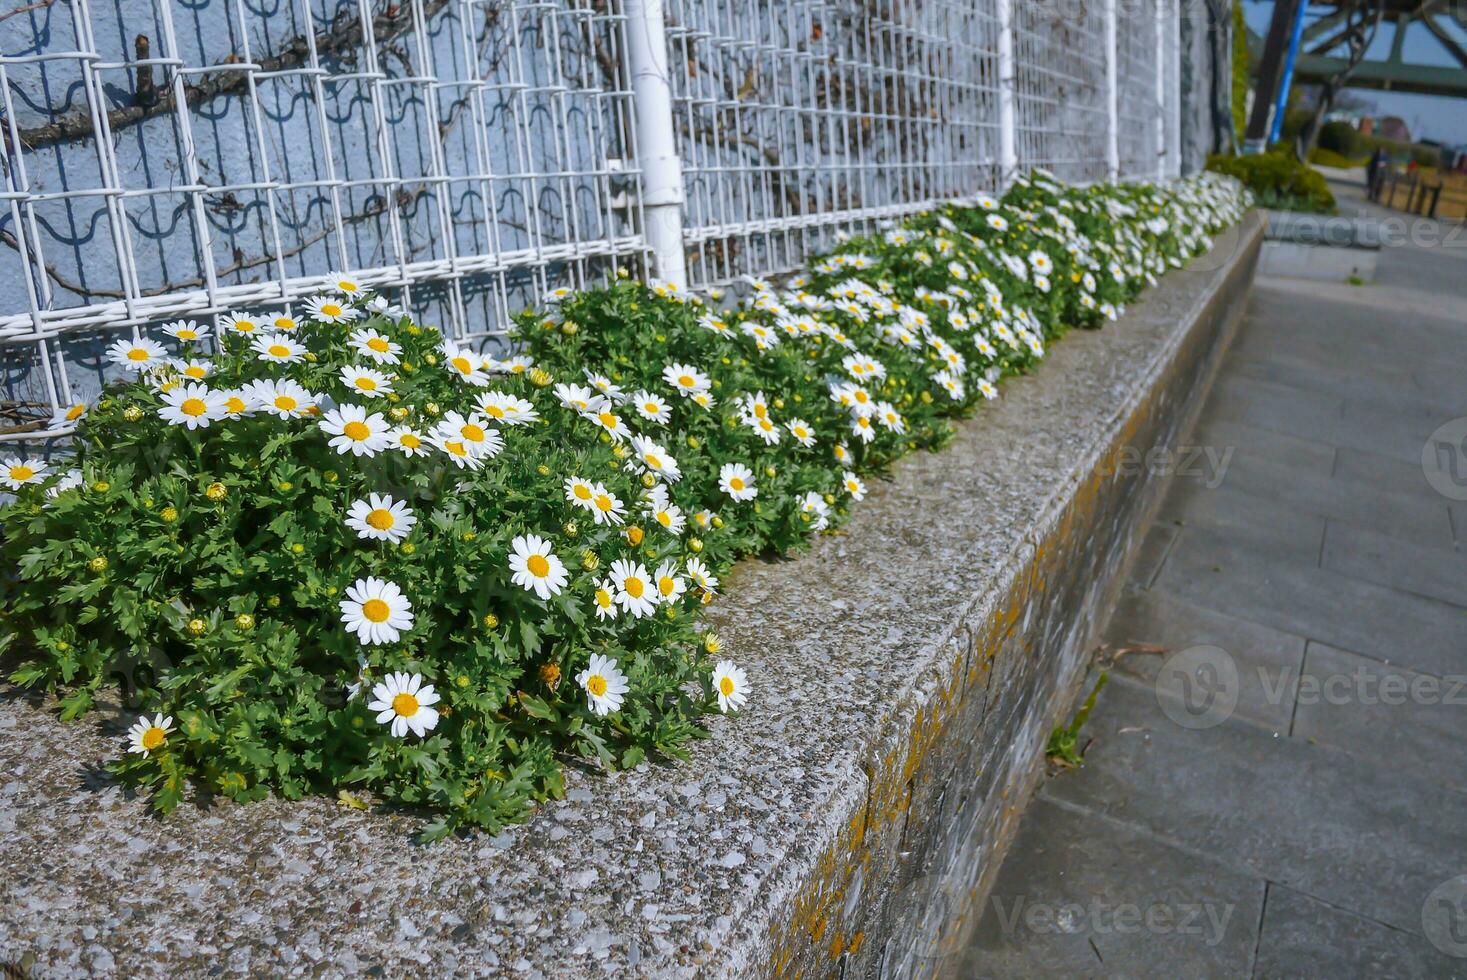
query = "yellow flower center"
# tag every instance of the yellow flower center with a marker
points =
(194, 407)
(285, 403)
(862, 397)
(376, 610)
(801, 432)
(472, 432)
(330, 309)
(284, 323)
(686, 380)
(244, 326)
(357, 431)
(666, 584)
(462, 365)
(279, 350)
(456, 448)
(410, 441)
(187, 335)
(581, 491)
(603, 598)
(596, 684)
(153, 738)
(347, 286)
(736, 483)
(726, 685)
(664, 518)
(653, 460)
(604, 503)
(381, 519)
(609, 420)
(76, 412)
(538, 566)
(137, 354)
(195, 371)
(365, 383)
(405, 705)
(21, 473)
(494, 411)
(377, 344)
(634, 587)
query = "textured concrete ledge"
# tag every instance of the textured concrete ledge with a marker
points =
(907, 674)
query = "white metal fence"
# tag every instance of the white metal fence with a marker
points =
(164, 159)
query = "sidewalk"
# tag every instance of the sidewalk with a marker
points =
(1278, 787)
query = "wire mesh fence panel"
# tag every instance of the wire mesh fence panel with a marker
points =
(1139, 110)
(798, 121)
(165, 159)
(1059, 87)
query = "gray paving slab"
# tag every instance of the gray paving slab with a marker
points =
(1367, 838)
(1358, 468)
(1269, 661)
(1417, 722)
(1437, 573)
(1087, 897)
(1304, 937)
(1246, 517)
(1238, 440)
(1269, 586)
(1151, 553)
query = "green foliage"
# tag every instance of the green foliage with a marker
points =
(1063, 748)
(211, 570)
(1329, 158)
(1278, 180)
(1242, 71)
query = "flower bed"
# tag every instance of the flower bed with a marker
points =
(345, 554)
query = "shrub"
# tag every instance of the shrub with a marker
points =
(1278, 180)
(345, 553)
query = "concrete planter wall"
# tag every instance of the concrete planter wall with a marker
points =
(906, 674)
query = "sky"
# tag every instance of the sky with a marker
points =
(1429, 116)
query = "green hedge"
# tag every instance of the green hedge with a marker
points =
(339, 553)
(1278, 180)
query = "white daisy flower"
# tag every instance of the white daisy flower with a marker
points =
(456, 450)
(509, 409)
(70, 480)
(736, 480)
(188, 331)
(237, 321)
(802, 432)
(701, 576)
(17, 471)
(604, 385)
(635, 592)
(331, 310)
(814, 505)
(841, 453)
(862, 428)
(474, 432)
(605, 599)
(355, 431)
(853, 485)
(655, 460)
(284, 398)
(236, 403)
(670, 585)
(605, 507)
(71, 414)
(580, 492)
(381, 518)
(604, 684)
(577, 398)
(518, 364)
(668, 515)
(987, 388)
(685, 379)
(284, 323)
(535, 567)
(376, 610)
(365, 381)
(731, 684)
(766, 428)
(146, 737)
(887, 415)
(137, 355)
(613, 423)
(374, 346)
(464, 363)
(406, 703)
(651, 407)
(278, 348)
(194, 370)
(381, 306)
(997, 223)
(345, 285)
(408, 441)
(192, 405)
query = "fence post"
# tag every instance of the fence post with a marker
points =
(1174, 102)
(1008, 152)
(1112, 95)
(1162, 101)
(662, 171)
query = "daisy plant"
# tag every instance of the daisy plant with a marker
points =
(330, 549)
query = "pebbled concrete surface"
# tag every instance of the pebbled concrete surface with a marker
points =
(843, 825)
(1331, 573)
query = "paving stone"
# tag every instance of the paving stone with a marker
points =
(1437, 573)
(1357, 468)
(1375, 711)
(1304, 937)
(1267, 585)
(1368, 838)
(1269, 661)
(1243, 441)
(1081, 896)
(1151, 553)
(1246, 517)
